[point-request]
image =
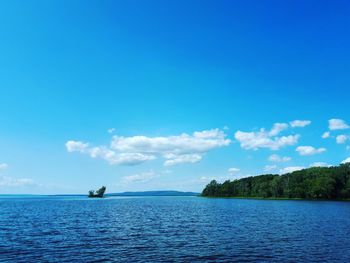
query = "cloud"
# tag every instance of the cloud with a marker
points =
(326, 135)
(342, 138)
(183, 148)
(198, 142)
(266, 139)
(3, 166)
(347, 160)
(291, 169)
(277, 128)
(110, 156)
(179, 159)
(111, 130)
(269, 168)
(278, 159)
(320, 164)
(337, 124)
(76, 146)
(113, 157)
(139, 178)
(299, 123)
(6, 181)
(233, 171)
(309, 150)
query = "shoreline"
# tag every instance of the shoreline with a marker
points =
(273, 198)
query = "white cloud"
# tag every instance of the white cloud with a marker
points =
(309, 150)
(337, 124)
(113, 157)
(183, 148)
(269, 168)
(278, 159)
(111, 130)
(278, 128)
(233, 171)
(342, 138)
(326, 135)
(266, 139)
(291, 169)
(3, 166)
(76, 146)
(139, 178)
(300, 123)
(320, 164)
(198, 142)
(184, 158)
(347, 160)
(110, 156)
(6, 181)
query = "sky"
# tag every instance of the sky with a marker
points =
(160, 95)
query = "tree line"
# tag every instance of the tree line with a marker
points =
(312, 183)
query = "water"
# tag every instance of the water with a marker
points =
(175, 229)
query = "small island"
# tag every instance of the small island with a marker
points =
(327, 183)
(99, 193)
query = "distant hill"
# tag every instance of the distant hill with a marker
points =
(154, 193)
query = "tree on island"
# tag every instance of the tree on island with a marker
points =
(99, 193)
(311, 183)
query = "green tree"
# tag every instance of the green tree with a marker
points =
(316, 182)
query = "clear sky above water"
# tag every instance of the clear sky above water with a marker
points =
(150, 95)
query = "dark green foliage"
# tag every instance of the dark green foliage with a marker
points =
(99, 193)
(312, 183)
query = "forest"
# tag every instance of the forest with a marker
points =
(312, 183)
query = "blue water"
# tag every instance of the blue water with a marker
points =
(176, 229)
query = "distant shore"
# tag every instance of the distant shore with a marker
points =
(315, 183)
(273, 198)
(125, 194)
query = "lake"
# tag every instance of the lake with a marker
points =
(176, 229)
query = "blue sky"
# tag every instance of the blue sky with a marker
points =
(149, 95)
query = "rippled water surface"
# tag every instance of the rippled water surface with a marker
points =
(176, 229)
